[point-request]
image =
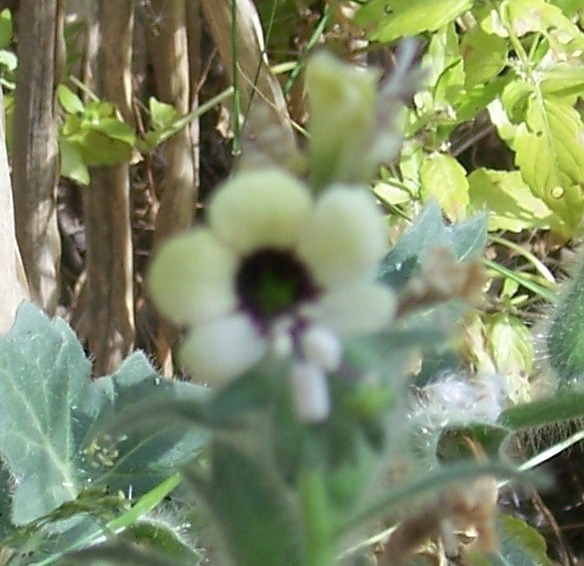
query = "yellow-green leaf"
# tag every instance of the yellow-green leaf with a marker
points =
(550, 155)
(401, 18)
(444, 180)
(507, 197)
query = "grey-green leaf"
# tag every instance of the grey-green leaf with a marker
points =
(50, 412)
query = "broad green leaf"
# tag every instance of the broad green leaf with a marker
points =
(550, 155)
(444, 180)
(507, 197)
(484, 56)
(72, 164)
(70, 102)
(51, 411)
(392, 19)
(520, 545)
(5, 28)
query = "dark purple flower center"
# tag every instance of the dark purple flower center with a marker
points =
(271, 282)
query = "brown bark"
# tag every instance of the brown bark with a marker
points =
(110, 304)
(170, 47)
(169, 52)
(35, 147)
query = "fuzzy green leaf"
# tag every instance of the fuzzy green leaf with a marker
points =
(50, 412)
(466, 240)
(564, 407)
(401, 18)
(566, 334)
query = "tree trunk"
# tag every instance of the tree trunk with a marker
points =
(169, 52)
(110, 302)
(35, 147)
(169, 49)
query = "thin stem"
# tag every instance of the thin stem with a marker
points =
(315, 510)
(236, 148)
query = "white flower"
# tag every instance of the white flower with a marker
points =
(275, 270)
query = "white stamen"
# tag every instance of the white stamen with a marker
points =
(322, 347)
(310, 392)
(281, 342)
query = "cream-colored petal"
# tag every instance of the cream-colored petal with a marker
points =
(219, 351)
(192, 278)
(345, 238)
(310, 392)
(260, 209)
(359, 310)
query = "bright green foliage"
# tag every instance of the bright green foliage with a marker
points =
(523, 62)
(506, 195)
(550, 156)
(444, 180)
(163, 118)
(53, 417)
(402, 18)
(92, 135)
